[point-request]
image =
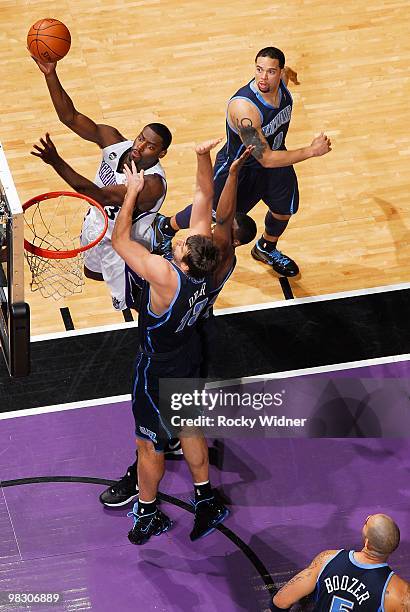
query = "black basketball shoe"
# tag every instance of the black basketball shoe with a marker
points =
(208, 514)
(148, 525)
(282, 264)
(161, 244)
(123, 491)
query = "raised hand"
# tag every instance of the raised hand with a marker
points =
(207, 146)
(135, 179)
(320, 145)
(292, 75)
(45, 67)
(48, 154)
(238, 163)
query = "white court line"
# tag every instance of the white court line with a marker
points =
(288, 374)
(236, 309)
(317, 298)
(337, 367)
(69, 406)
(83, 332)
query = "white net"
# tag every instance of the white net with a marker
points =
(55, 224)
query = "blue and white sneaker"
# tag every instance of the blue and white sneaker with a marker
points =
(145, 526)
(282, 264)
(161, 243)
(208, 514)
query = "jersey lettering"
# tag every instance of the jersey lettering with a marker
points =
(349, 584)
(197, 294)
(281, 118)
(106, 174)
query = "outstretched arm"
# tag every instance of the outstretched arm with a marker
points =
(153, 268)
(201, 215)
(303, 583)
(102, 135)
(111, 195)
(245, 118)
(226, 208)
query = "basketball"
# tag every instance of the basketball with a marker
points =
(48, 40)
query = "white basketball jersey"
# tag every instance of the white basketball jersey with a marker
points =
(107, 175)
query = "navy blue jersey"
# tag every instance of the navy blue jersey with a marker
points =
(215, 291)
(175, 327)
(274, 122)
(345, 584)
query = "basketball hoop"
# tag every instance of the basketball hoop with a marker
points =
(54, 251)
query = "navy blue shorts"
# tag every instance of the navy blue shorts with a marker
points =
(152, 417)
(277, 187)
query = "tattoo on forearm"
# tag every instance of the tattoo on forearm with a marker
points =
(250, 136)
(301, 576)
(308, 571)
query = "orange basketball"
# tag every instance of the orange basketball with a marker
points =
(48, 40)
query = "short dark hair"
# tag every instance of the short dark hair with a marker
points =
(273, 53)
(246, 230)
(163, 132)
(202, 256)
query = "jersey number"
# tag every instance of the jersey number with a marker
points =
(340, 605)
(111, 211)
(191, 316)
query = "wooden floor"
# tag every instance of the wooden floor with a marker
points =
(133, 62)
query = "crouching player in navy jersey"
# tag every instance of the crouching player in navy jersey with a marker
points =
(173, 295)
(345, 580)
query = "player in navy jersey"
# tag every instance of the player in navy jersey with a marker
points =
(151, 145)
(229, 232)
(343, 580)
(174, 294)
(259, 114)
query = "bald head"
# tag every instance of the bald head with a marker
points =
(382, 533)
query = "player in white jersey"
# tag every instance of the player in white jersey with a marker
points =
(101, 262)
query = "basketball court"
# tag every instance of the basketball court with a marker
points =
(336, 338)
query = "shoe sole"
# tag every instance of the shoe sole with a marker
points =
(119, 504)
(214, 526)
(267, 263)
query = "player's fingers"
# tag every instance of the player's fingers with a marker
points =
(35, 154)
(37, 148)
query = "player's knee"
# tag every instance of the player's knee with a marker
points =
(145, 447)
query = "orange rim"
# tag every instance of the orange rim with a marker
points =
(49, 254)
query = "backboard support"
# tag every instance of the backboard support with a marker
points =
(14, 311)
